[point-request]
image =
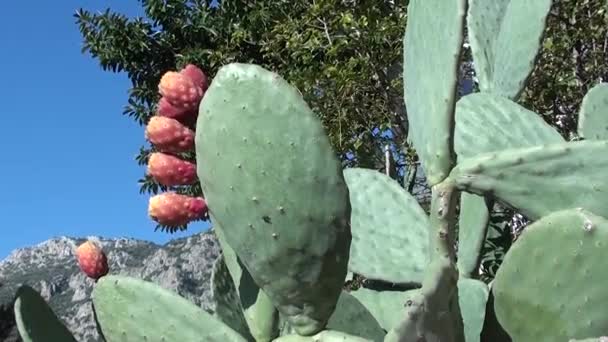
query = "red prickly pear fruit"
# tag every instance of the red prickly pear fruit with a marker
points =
(180, 91)
(167, 109)
(196, 75)
(169, 135)
(172, 209)
(169, 170)
(92, 260)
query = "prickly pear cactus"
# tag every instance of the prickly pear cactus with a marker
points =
(35, 319)
(559, 269)
(292, 223)
(129, 310)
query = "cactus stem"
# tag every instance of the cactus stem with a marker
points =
(443, 219)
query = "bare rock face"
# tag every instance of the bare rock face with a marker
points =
(183, 265)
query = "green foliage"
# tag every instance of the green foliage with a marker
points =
(571, 61)
(344, 57)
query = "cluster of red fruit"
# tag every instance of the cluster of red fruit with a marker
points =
(170, 132)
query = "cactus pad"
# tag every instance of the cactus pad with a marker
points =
(353, 318)
(227, 302)
(390, 231)
(593, 115)
(323, 336)
(36, 321)
(430, 80)
(472, 298)
(487, 123)
(260, 314)
(551, 285)
(472, 230)
(432, 313)
(274, 184)
(130, 310)
(502, 66)
(385, 306)
(543, 179)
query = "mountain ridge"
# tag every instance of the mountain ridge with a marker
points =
(183, 265)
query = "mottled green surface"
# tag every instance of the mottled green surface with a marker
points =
(505, 38)
(36, 321)
(228, 306)
(323, 336)
(433, 40)
(540, 180)
(472, 229)
(386, 306)
(261, 316)
(488, 122)
(275, 186)
(390, 231)
(593, 115)
(472, 298)
(552, 283)
(353, 318)
(133, 310)
(432, 313)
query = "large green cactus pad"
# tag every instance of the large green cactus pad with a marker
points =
(390, 231)
(36, 321)
(261, 316)
(274, 184)
(430, 80)
(432, 313)
(551, 285)
(353, 318)
(385, 306)
(472, 298)
(543, 179)
(593, 115)
(227, 302)
(488, 123)
(472, 230)
(133, 310)
(323, 336)
(501, 65)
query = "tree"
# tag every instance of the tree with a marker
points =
(344, 56)
(573, 59)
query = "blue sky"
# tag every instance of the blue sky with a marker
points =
(68, 153)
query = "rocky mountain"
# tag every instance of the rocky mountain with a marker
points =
(183, 265)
